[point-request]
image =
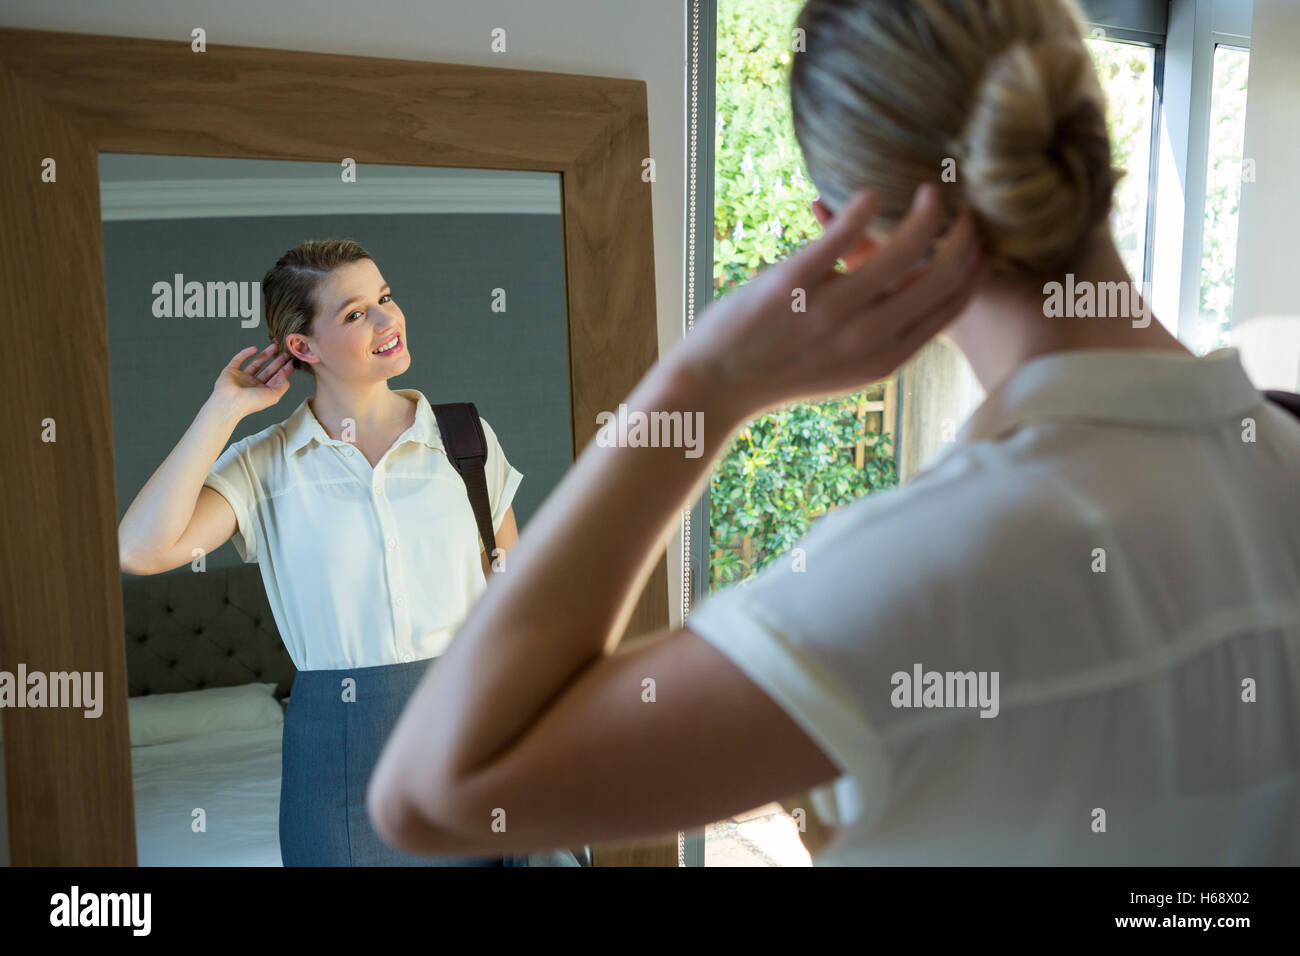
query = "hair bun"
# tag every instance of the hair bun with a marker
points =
(1035, 163)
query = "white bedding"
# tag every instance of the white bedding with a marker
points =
(233, 775)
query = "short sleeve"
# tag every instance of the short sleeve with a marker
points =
(791, 671)
(804, 631)
(234, 478)
(502, 478)
(872, 589)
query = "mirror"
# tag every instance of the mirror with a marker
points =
(77, 97)
(474, 260)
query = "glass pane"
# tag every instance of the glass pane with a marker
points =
(789, 467)
(1127, 75)
(1223, 177)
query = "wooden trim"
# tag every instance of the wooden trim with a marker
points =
(889, 414)
(69, 97)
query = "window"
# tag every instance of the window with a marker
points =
(1223, 178)
(1127, 72)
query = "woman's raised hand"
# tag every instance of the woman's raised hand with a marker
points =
(258, 385)
(801, 330)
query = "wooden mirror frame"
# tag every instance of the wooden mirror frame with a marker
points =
(68, 97)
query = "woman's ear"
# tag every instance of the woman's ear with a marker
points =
(297, 346)
(866, 245)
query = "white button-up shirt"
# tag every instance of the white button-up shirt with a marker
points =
(361, 566)
(1116, 535)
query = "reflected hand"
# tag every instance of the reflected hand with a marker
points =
(257, 386)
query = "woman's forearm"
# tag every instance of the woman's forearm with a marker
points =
(162, 510)
(542, 622)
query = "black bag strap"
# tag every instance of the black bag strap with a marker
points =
(1288, 400)
(462, 436)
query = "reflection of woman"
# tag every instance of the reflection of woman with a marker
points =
(1100, 536)
(368, 543)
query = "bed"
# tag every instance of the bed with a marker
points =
(207, 678)
(230, 777)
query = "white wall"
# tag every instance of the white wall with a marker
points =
(630, 39)
(1266, 302)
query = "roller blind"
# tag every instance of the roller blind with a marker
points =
(1140, 16)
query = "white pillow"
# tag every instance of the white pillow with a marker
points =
(162, 718)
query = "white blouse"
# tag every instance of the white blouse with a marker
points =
(361, 566)
(1115, 537)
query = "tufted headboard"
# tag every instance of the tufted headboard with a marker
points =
(187, 631)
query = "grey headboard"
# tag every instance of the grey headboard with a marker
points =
(187, 631)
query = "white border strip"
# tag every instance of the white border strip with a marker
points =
(240, 198)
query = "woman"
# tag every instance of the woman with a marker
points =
(1044, 649)
(368, 544)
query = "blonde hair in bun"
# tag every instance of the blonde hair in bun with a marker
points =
(889, 93)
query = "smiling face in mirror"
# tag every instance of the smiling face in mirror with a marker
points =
(358, 332)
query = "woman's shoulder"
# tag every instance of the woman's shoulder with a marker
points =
(964, 502)
(267, 445)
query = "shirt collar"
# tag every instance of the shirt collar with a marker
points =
(1163, 389)
(302, 427)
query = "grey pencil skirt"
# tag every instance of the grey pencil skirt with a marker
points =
(333, 733)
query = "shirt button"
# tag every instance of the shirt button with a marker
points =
(392, 543)
(348, 452)
(379, 489)
(399, 602)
